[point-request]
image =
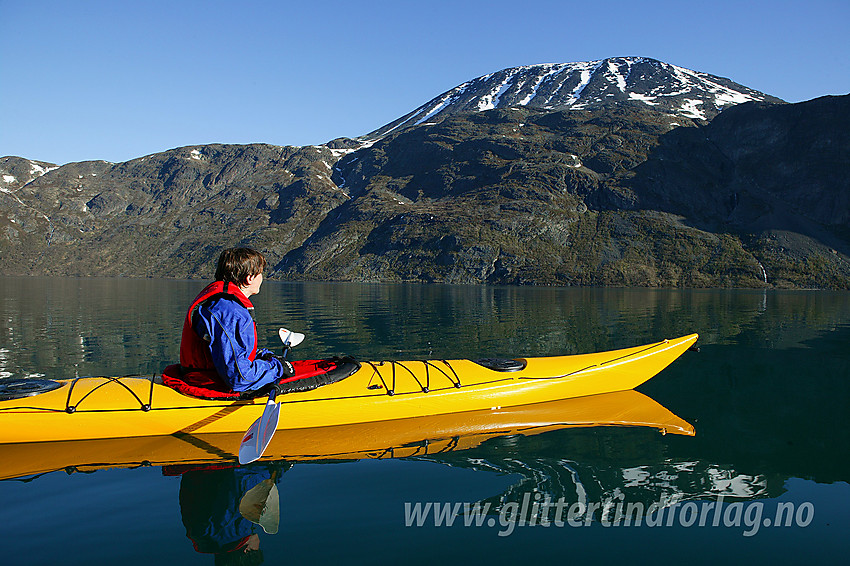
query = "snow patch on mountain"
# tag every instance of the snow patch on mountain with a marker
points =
(491, 100)
(37, 170)
(16, 172)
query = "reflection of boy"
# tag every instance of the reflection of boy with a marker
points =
(209, 506)
(218, 348)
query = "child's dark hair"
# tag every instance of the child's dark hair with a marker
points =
(236, 265)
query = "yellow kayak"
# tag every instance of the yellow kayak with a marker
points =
(417, 436)
(127, 407)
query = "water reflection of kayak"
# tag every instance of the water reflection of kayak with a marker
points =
(387, 439)
(126, 407)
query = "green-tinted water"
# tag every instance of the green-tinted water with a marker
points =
(768, 395)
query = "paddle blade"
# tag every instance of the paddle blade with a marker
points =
(270, 519)
(290, 338)
(261, 505)
(259, 434)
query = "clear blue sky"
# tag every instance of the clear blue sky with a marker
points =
(115, 80)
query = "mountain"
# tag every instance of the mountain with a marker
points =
(603, 190)
(165, 215)
(588, 85)
(622, 195)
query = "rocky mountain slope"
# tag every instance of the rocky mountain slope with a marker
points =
(614, 196)
(587, 86)
(603, 190)
(167, 214)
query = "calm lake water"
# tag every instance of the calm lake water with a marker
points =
(768, 396)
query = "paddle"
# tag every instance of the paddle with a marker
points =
(259, 434)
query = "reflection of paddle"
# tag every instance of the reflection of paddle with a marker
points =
(261, 505)
(260, 433)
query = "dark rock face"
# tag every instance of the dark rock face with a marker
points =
(616, 196)
(773, 176)
(620, 193)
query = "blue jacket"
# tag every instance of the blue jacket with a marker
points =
(228, 327)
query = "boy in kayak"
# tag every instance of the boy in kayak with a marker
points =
(218, 347)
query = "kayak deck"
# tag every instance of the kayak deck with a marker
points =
(115, 407)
